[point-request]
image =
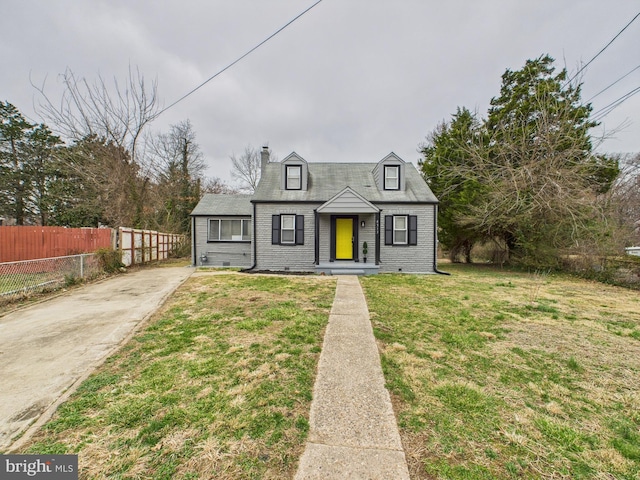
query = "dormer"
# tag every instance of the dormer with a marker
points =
(294, 173)
(389, 173)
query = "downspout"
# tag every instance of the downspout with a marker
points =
(253, 240)
(435, 242)
(377, 254)
(194, 252)
(316, 236)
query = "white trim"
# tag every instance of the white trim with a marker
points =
(290, 169)
(359, 204)
(234, 238)
(292, 229)
(405, 229)
(395, 179)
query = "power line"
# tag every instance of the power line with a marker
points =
(604, 111)
(611, 85)
(603, 49)
(238, 59)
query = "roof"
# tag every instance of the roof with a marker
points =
(224, 204)
(328, 179)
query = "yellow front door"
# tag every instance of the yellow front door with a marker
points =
(344, 239)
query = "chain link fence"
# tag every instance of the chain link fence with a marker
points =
(20, 279)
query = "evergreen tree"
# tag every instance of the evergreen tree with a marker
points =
(533, 175)
(447, 149)
(15, 175)
(27, 167)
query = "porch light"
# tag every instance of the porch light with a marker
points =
(362, 224)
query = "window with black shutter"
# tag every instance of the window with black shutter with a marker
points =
(287, 229)
(400, 230)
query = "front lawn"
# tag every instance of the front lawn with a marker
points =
(493, 374)
(217, 385)
(496, 374)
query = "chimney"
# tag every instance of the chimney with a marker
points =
(264, 157)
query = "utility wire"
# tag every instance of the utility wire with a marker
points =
(604, 111)
(238, 59)
(603, 49)
(611, 85)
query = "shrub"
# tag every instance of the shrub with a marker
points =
(181, 250)
(109, 260)
(71, 279)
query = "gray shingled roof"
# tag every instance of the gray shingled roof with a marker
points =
(328, 179)
(223, 204)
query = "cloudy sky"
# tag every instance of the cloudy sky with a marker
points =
(351, 80)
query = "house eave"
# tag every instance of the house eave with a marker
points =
(355, 203)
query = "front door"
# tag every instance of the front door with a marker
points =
(344, 239)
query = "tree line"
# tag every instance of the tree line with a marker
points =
(102, 166)
(527, 180)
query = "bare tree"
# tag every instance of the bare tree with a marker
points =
(118, 116)
(216, 185)
(110, 120)
(176, 154)
(624, 200)
(179, 168)
(247, 168)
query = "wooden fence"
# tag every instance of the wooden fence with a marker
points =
(28, 243)
(143, 246)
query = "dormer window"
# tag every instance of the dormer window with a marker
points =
(392, 177)
(294, 177)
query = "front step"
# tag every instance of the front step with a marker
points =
(347, 271)
(347, 268)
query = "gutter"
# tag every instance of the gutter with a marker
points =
(435, 242)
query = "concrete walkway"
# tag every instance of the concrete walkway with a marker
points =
(47, 349)
(353, 430)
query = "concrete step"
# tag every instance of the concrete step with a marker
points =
(347, 271)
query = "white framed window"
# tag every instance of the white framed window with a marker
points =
(294, 177)
(392, 177)
(288, 229)
(229, 230)
(400, 230)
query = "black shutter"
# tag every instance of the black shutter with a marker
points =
(275, 229)
(299, 229)
(388, 229)
(413, 230)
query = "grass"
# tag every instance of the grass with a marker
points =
(499, 375)
(13, 282)
(493, 375)
(217, 385)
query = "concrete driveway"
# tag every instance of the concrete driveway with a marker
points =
(47, 349)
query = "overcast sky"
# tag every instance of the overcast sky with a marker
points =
(351, 80)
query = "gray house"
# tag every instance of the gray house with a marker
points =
(318, 217)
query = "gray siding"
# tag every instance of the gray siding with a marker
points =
(409, 258)
(219, 254)
(295, 258)
(325, 240)
(366, 234)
